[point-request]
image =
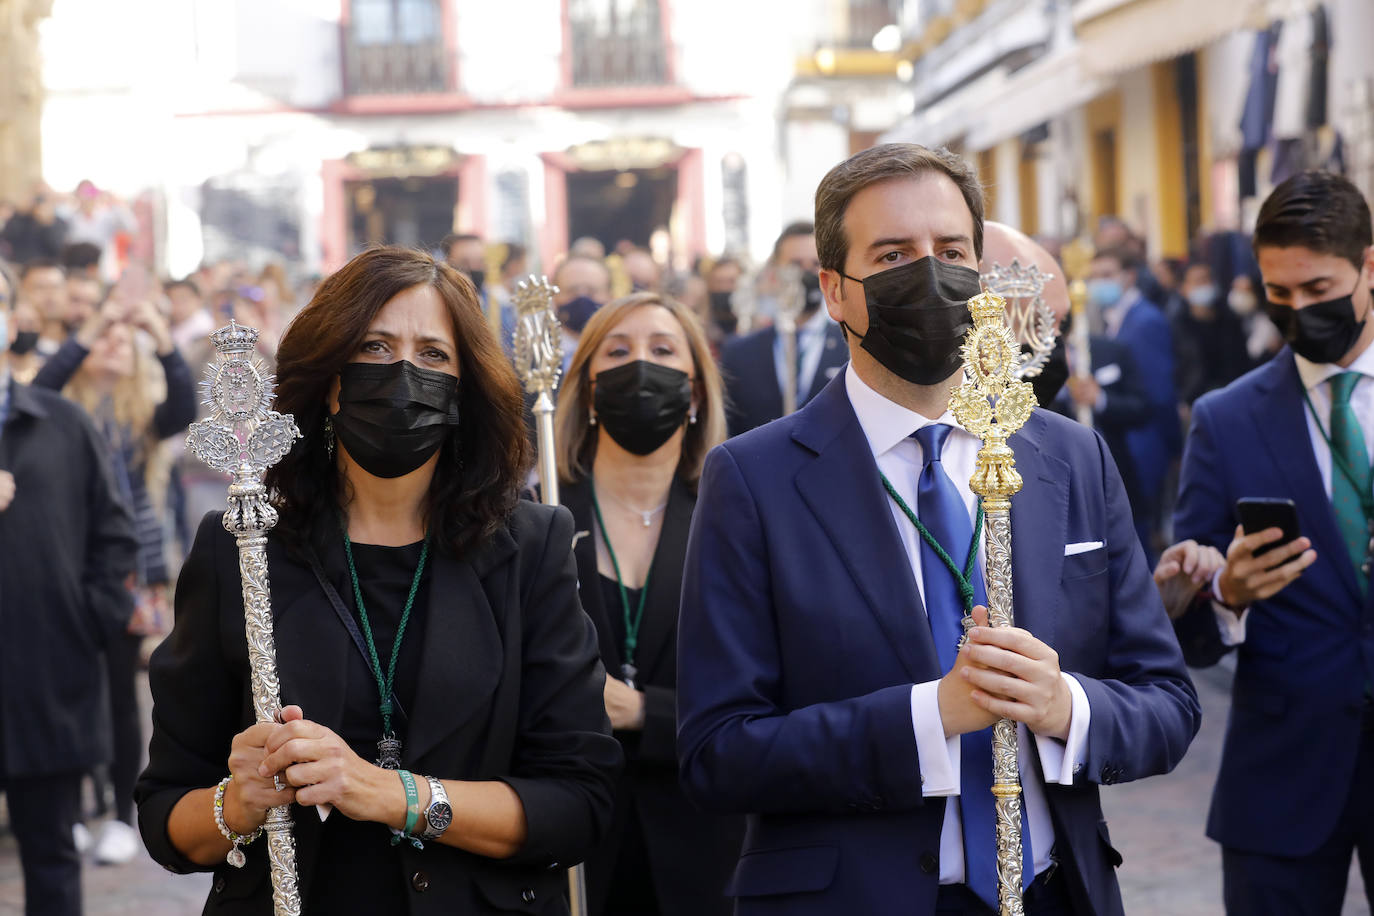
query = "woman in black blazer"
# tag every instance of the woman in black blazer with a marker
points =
(401, 548)
(640, 408)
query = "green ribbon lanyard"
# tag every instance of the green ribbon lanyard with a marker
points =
(963, 579)
(389, 747)
(1365, 496)
(632, 623)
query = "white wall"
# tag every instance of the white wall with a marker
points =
(166, 94)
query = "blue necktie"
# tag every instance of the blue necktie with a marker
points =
(942, 510)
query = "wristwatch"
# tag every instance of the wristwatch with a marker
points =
(439, 814)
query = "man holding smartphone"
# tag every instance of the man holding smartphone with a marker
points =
(1295, 794)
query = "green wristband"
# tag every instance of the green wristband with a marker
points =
(412, 811)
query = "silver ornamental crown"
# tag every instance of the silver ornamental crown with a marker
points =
(235, 338)
(1030, 317)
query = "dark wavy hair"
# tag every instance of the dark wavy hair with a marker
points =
(483, 461)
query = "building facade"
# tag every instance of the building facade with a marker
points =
(1175, 115)
(307, 129)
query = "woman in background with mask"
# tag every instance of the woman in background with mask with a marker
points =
(425, 621)
(641, 406)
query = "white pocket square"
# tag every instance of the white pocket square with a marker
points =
(1073, 550)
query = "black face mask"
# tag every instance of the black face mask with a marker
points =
(478, 278)
(575, 314)
(917, 318)
(814, 297)
(722, 312)
(393, 416)
(641, 404)
(1323, 331)
(24, 342)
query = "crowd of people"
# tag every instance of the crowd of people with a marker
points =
(701, 676)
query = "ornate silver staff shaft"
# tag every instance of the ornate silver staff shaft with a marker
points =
(539, 360)
(791, 303)
(244, 437)
(1077, 255)
(992, 404)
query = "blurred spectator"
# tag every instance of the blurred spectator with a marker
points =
(248, 307)
(722, 279)
(193, 489)
(1131, 320)
(43, 285)
(68, 545)
(135, 406)
(1111, 387)
(279, 300)
(642, 270)
(98, 218)
(584, 285)
(467, 253)
(587, 247)
(84, 295)
(1209, 343)
(1262, 339)
(35, 230)
(514, 264)
(755, 365)
(81, 259)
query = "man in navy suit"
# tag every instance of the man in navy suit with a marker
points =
(1141, 327)
(822, 688)
(753, 365)
(1295, 794)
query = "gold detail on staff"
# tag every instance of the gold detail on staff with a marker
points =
(992, 403)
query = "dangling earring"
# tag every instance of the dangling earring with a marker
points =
(329, 437)
(692, 418)
(591, 416)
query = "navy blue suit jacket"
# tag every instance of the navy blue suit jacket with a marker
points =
(751, 376)
(1301, 674)
(802, 631)
(1145, 333)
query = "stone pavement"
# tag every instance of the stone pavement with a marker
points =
(1170, 868)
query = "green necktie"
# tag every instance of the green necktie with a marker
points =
(1347, 447)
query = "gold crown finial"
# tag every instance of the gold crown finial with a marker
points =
(986, 306)
(235, 338)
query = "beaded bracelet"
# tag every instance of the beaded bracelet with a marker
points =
(235, 857)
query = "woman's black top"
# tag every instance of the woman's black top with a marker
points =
(351, 847)
(499, 679)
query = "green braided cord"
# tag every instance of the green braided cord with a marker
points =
(387, 684)
(631, 625)
(964, 580)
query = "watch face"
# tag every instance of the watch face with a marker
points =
(439, 816)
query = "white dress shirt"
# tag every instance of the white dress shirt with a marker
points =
(887, 426)
(810, 344)
(1314, 378)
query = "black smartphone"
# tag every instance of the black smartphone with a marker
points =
(1258, 513)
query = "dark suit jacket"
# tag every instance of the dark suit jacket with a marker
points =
(1301, 674)
(1145, 333)
(802, 631)
(510, 688)
(1126, 407)
(66, 545)
(690, 853)
(751, 376)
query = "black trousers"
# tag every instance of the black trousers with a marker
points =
(1311, 885)
(121, 657)
(42, 812)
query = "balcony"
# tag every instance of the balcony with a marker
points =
(617, 44)
(396, 47)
